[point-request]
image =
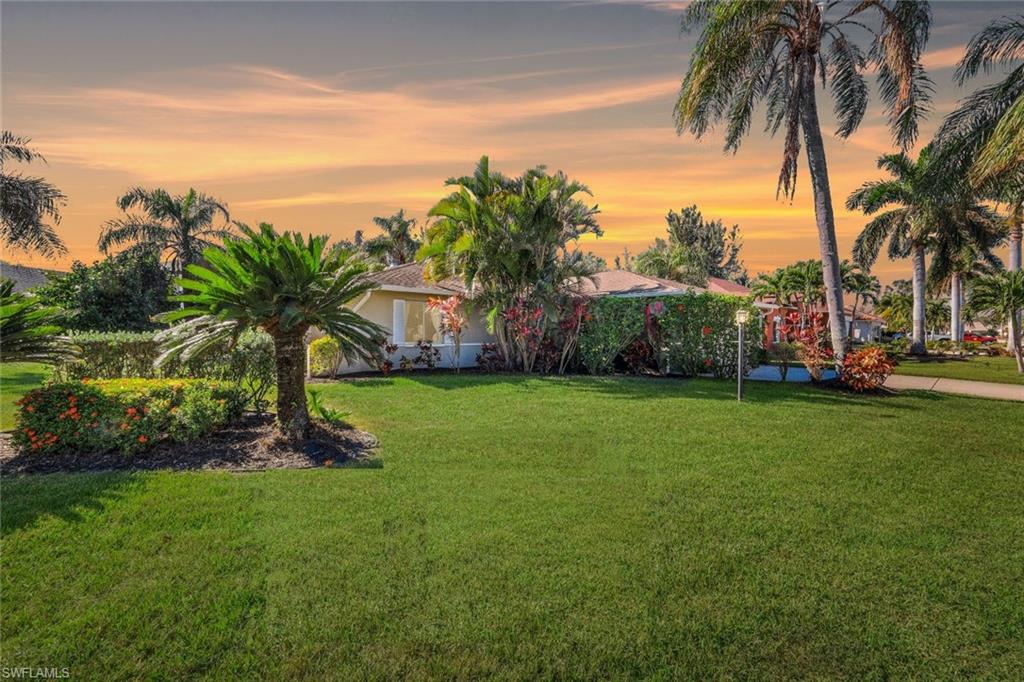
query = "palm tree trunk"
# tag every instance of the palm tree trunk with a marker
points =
(956, 298)
(917, 335)
(823, 213)
(1015, 344)
(1016, 232)
(290, 358)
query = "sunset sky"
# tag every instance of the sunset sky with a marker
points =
(319, 116)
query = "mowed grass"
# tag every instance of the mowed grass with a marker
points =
(522, 528)
(978, 368)
(17, 379)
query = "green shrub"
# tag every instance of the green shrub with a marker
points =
(324, 356)
(131, 355)
(785, 355)
(690, 334)
(124, 415)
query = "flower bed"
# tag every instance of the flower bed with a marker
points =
(123, 415)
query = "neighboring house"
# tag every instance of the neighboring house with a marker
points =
(399, 304)
(866, 328)
(25, 277)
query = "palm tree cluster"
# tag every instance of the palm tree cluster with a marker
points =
(696, 250)
(27, 204)
(510, 240)
(775, 52)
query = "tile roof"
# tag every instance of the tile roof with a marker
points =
(411, 276)
(626, 283)
(724, 286)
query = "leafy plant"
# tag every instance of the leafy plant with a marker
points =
(1003, 294)
(324, 356)
(812, 340)
(784, 354)
(453, 323)
(125, 415)
(867, 369)
(327, 414)
(29, 330)
(280, 283)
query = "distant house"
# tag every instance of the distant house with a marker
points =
(399, 305)
(867, 327)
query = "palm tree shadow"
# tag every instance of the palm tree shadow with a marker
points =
(70, 497)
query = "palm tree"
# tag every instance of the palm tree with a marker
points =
(398, 244)
(864, 287)
(896, 305)
(961, 248)
(280, 283)
(27, 203)
(1003, 295)
(509, 240)
(806, 279)
(179, 227)
(938, 314)
(771, 51)
(31, 331)
(907, 226)
(775, 286)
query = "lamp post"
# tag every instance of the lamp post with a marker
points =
(742, 315)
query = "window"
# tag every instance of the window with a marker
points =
(415, 322)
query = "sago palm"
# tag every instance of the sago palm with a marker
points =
(29, 330)
(911, 200)
(283, 284)
(775, 51)
(1002, 294)
(178, 227)
(27, 204)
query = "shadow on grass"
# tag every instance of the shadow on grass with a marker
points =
(27, 498)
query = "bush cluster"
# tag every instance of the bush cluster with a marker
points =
(324, 356)
(867, 369)
(123, 415)
(131, 355)
(688, 334)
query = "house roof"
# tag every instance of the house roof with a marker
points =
(25, 277)
(862, 315)
(411, 277)
(625, 283)
(724, 286)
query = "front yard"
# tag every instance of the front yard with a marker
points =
(549, 527)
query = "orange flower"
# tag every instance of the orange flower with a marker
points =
(30, 409)
(131, 411)
(142, 439)
(124, 426)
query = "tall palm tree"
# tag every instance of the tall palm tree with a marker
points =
(1003, 295)
(31, 331)
(27, 203)
(280, 283)
(806, 279)
(398, 244)
(907, 226)
(896, 305)
(772, 51)
(179, 227)
(864, 287)
(961, 247)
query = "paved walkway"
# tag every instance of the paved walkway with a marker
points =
(981, 389)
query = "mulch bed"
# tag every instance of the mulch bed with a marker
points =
(251, 444)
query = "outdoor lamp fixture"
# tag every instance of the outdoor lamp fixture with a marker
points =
(742, 315)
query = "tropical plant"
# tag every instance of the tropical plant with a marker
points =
(1003, 294)
(938, 315)
(806, 279)
(178, 228)
(398, 244)
(696, 250)
(772, 51)
(865, 288)
(775, 286)
(120, 293)
(509, 240)
(284, 284)
(896, 306)
(453, 323)
(867, 369)
(917, 207)
(27, 204)
(29, 330)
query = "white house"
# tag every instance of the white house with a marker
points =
(399, 304)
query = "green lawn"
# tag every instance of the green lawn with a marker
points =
(16, 379)
(978, 368)
(522, 528)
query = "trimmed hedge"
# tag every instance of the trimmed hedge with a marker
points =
(690, 333)
(124, 415)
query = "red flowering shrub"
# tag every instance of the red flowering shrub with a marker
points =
(867, 369)
(813, 341)
(126, 415)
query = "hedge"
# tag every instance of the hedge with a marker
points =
(123, 415)
(689, 333)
